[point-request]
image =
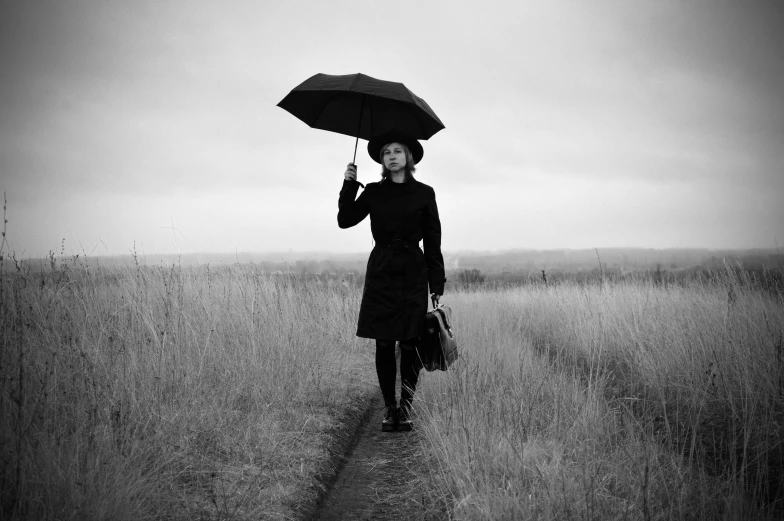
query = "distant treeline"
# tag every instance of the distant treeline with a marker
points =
(627, 259)
(752, 276)
(490, 269)
(473, 278)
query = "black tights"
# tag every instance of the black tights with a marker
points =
(386, 368)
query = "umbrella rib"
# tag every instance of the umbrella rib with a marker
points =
(354, 80)
(325, 105)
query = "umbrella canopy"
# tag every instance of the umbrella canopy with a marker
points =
(360, 106)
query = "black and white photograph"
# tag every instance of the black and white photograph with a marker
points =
(427, 260)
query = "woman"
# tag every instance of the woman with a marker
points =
(402, 212)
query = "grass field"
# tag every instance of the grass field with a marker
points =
(160, 392)
(621, 401)
(166, 392)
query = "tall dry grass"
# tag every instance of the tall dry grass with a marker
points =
(620, 401)
(157, 392)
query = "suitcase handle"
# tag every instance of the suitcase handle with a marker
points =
(444, 318)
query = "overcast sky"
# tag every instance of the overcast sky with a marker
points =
(569, 124)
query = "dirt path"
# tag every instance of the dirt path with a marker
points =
(375, 481)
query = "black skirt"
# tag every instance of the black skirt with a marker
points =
(394, 299)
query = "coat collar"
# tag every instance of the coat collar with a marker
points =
(408, 186)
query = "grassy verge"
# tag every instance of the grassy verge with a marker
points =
(197, 393)
(627, 401)
(167, 392)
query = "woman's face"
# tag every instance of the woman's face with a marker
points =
(394, 157)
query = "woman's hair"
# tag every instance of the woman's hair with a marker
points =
(410, 168)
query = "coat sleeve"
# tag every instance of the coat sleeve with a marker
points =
(351, 212)
(431, 228)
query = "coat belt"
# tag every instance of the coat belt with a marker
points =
(398, 245)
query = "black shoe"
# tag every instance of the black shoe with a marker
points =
(389, 423)
(404, 422)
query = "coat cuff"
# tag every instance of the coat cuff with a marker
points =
(349, 190)
(437, 286)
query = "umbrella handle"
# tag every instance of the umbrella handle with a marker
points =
(354, 165)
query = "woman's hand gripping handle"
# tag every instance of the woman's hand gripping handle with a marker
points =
(351, 172)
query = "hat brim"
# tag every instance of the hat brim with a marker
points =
(378, 142)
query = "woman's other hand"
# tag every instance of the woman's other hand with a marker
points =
(435, 297)
(351, 172)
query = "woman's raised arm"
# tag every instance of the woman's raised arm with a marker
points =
(351, 212)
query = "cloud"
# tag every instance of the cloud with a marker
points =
(169, 108)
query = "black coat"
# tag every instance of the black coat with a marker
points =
(394, 300)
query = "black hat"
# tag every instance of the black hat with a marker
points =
(378, 142)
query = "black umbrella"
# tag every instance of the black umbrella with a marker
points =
(360, 106)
